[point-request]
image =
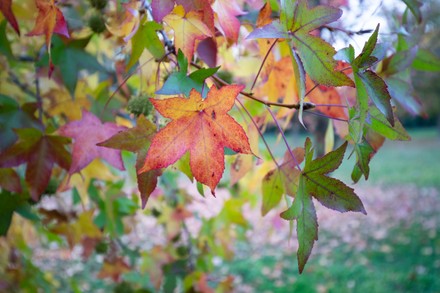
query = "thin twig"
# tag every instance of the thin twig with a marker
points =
(323, 115)
(262, 64)
(284, 138)
(307, 105)
(259, 132)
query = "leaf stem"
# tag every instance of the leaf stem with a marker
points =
(306, 105)
(259, 132)
(284, 138)
(262, 64)
(322, 115)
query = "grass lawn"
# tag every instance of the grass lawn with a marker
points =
(396, 248)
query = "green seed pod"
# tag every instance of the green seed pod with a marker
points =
(140, 105)
(98, 4)
(97, 24)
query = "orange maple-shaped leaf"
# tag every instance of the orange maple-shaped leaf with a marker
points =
(187, 28)
(201, 126)
(50, 20)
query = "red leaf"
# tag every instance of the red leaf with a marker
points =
(202, 127)
(50, 20)
(86, 133)
(161, 8)
(40, 152)
(227, 12)
(5, 8)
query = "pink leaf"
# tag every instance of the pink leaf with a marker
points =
(86, 133)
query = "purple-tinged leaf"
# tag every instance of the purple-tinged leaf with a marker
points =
(86, 133)
(161, 8)
(273, 30)
(402, 92)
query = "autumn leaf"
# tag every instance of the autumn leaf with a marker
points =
(10, 180)
(227, 12)
(125, 23)
(137, 140)
(40, 152)
(202, 127)
(188, 27)
(78, 230)
(86, 133)
(6, 9)
(50, 20)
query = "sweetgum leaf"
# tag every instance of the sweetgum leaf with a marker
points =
(50, 20)
(12, 116)
(330, 192)
(273, 189)
(202, 127)
(160, 8)
(306, 224)
(188, 28)
(146, 38)
(86, 133)
(379, 124)
(364, 60)
(227, 12)
(71, 58)
(40, 151)
(137, 140)
(316, 54)
(181, 83)
(377, 90)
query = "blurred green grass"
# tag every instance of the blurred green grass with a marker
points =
(397, 162)
(406, 259)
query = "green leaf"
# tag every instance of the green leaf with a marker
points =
(9, 203)
(71, 59)
(272, 189)
(179, 83)
(316, 54)
(146, 38)
(379, 124)
(414, 6)
(364, 152)
(5, 46)
(378, 92)
(426, 61)
(364, 59)
(330, 192)
(12, 116)
(287, 13)
(306, 224)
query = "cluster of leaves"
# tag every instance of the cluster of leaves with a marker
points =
(86, 104)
